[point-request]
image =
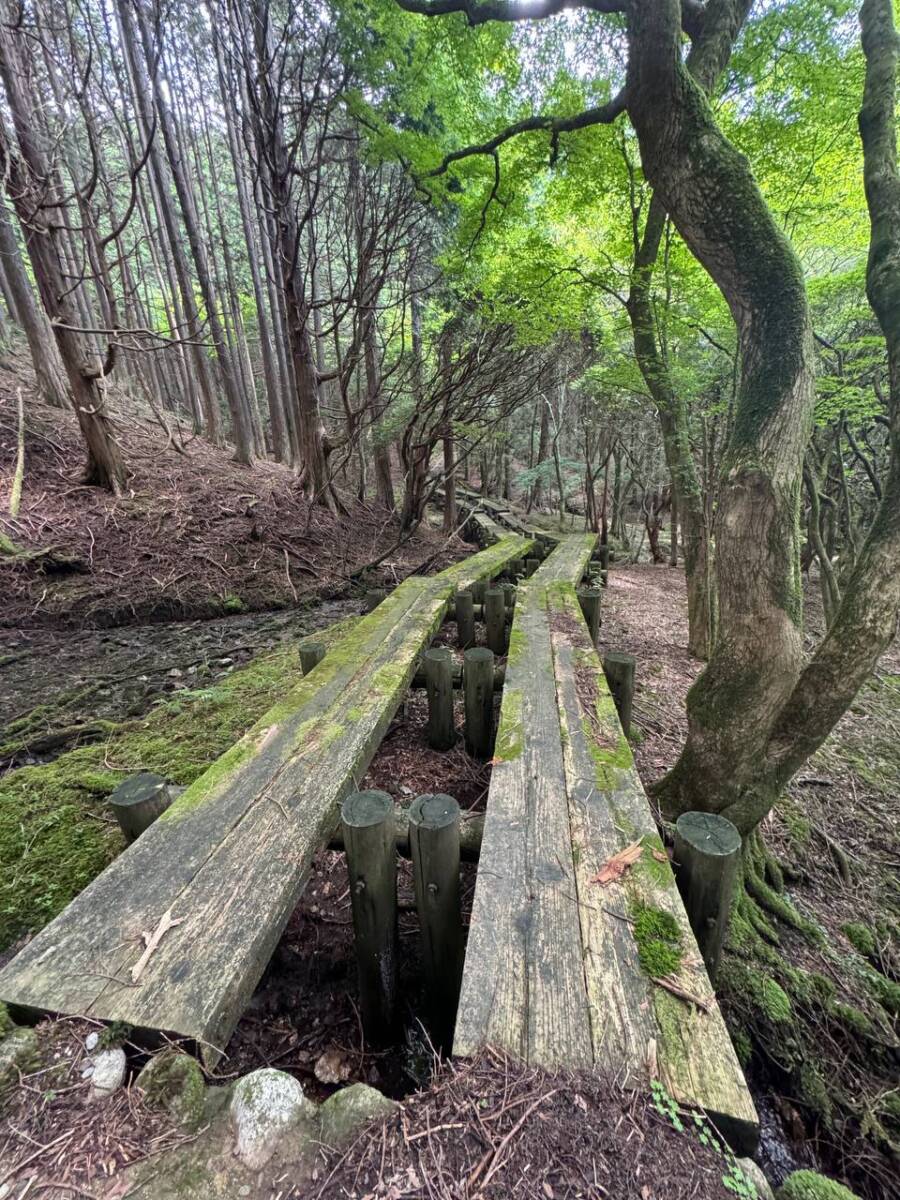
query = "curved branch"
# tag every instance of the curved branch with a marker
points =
(605, 114)
(479, 13)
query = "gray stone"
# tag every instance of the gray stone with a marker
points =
(174, 1081)
(90, 1042)
(345, 1113)
(18, 1055)
(754, 1173)
(109, 1073)
(265, 1105)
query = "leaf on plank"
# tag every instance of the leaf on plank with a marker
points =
(617, 864)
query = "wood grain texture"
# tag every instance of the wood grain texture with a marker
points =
(231, 856)
(608, 811)
(552, 972)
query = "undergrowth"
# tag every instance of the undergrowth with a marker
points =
(56, 832)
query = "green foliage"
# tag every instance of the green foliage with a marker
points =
(860, 937)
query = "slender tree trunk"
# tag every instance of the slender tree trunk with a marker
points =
(48, 369)
(44, 221)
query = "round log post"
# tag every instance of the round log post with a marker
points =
(707, 851)
(619, 671)
(495, 619)
(531, 565)
(604, 555)
(373, 598)
(438, 663)
(434, 846)
(138, 801)
(478, 686)
(465, 620)
(367, 820)
(311, 653)
(478, 589)
(589, 599)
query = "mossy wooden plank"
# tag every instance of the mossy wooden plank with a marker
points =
(523, 984)
(609, 811)
(568, 560)
(230, 857)
(488, 563)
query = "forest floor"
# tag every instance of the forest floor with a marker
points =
(813, 1005)
(194, 535)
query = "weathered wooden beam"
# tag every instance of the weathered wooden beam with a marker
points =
(230, 858)
(138, 801)
(707, 851)
(589, 599)
(367, 821)
(464, 611)
(619, 670)
(471, 830)
(495, 619)
(311, 654)
(434, 842)
(439, 731)
(418, 680)
(478, 686)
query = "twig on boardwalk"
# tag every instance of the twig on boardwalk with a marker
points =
(677, 990)
(152, 940)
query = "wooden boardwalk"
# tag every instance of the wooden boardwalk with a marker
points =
(552, 972)
(228, 861)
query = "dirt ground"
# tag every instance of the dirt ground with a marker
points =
(194, 535)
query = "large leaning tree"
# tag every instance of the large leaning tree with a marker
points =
(760, 708)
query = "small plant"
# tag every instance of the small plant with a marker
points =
(665, 1105)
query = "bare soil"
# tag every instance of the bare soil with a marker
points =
(194, 535)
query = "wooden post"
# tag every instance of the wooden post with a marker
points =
(478, 589)
(531, 565)
(439, 731)
(604, 577)
(419, 681)
(495, 619)
(368, 827)
(434, 846)
(373, 598)
(311, 653)
(619, 671)
(138, 801)
(465, 619)
(707, 851)
(604, 555)
(478, 683)
(589, 599)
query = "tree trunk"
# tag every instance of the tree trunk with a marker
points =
(708, 188)
(43, 218)
(48, 369)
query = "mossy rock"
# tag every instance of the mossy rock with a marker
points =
(174, 1081)
(18, 1055)
(6, 1022)
(344, 1114)
(810, 1185)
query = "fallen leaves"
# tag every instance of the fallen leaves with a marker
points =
(617, 864)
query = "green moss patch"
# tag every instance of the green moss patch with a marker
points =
(659, 942)
(810, 1185)
(56, 833)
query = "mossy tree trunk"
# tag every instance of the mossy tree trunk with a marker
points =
(40, 202)
(758, 711)
(687, 493)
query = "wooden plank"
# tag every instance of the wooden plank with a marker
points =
(568, 561)
(489, 563)
(609, 811)
(230, 857)
(523, 984)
